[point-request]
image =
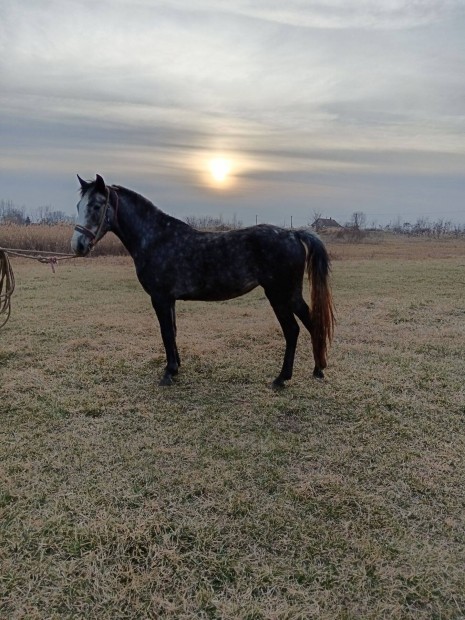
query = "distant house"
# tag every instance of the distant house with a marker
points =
(322, 223)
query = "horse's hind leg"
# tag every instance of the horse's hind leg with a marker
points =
(290, 327)
(173, 318)
(302, 311)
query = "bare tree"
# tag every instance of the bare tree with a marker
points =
(358, 220)
(316, 216)
(208, 222)
(11, 213)
(46, 215)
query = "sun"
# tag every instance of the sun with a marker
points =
(220, 169)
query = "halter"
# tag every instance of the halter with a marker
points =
(95, 237)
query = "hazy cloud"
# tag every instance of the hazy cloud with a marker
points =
(303, 94)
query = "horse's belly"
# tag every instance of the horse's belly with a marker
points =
(218, 292)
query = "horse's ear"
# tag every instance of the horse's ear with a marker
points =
(84, 184)
(100, 184)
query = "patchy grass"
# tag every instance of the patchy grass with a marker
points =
(219, 498)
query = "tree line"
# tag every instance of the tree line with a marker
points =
(10, 213)
(423, 227)
(356, 227)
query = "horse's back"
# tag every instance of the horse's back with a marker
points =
(212, 266)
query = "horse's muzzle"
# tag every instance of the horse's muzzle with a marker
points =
(80, 244)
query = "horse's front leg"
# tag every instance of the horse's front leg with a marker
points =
(164, 309)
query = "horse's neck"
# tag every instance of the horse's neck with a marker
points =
(140, 223)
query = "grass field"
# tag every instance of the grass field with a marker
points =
(218, 497)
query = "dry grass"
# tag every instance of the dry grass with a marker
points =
(219, 498)
(389, 246)
(55, 238)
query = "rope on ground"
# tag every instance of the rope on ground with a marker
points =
(7, 286)
(7, 278)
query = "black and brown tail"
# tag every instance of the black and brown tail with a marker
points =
(322, 309)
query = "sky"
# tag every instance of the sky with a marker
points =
(304, 107)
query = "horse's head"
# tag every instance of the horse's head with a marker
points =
(92, 218)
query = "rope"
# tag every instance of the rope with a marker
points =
(29, 253)
(7, 278)
(7, 286)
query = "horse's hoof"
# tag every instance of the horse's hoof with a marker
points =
(278, 384)
(167, 380)
(318, 374)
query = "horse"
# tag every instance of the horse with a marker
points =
(175, 261)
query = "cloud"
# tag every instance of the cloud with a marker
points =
(205, 59)
(327, 14)
(145, 89)
(348, 14)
